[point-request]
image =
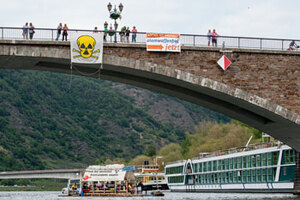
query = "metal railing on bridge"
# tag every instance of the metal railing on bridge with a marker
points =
(185, 39)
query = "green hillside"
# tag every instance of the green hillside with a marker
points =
(47, 121)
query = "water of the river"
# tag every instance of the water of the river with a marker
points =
(168, 196)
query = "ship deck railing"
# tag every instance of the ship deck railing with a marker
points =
(231, 151)
(238, 149)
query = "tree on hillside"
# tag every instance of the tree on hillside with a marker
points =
(218, 137)
(150, 150)
(171, 152)
(139, 160)
(186, 143)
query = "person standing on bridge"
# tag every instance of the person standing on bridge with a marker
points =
(134, 31)
(214, 38)
(31, 31)
(59, 28)
(65, 33)
(293, 46)
(25, 31)
(122, 34)
(96, 29)
(127, 34)
(209, 34)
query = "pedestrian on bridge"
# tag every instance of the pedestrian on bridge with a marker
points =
(96, 29)
(59, 28)
(65, 33)
(127, 34)
(122, 34)
(31, 31)
(25, 31)
(214, 38)
(209, 34)
(134, 31)
(293, 46)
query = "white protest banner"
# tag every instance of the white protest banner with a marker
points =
(87, 47)
(167, 42)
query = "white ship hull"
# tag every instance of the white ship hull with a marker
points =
(239, 188)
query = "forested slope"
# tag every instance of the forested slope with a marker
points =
(48, 120)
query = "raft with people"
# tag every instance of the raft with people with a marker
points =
(111, 180)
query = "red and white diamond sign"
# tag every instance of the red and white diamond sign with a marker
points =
(224, 62)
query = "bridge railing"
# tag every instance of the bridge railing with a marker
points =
(185, 39)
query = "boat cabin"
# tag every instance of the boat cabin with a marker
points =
(109, 180)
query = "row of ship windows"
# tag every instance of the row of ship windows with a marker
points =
(258, 160)
(245, 176)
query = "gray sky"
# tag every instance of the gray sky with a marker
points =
(257, 18)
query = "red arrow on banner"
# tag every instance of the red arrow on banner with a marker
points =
(160, 47)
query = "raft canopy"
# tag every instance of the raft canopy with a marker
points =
(115, 172)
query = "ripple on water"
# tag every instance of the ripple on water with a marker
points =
(168, 196)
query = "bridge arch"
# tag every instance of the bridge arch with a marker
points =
(234, 102)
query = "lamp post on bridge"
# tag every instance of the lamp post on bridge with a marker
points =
(115, 14)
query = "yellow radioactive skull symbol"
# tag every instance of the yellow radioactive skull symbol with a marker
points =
(86, 44)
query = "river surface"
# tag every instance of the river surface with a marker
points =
(168, 196)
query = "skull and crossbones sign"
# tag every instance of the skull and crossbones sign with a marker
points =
(86, 44)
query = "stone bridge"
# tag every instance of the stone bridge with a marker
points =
(261, 88)
(53, 174)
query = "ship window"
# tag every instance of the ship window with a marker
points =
(275, 158)
(258, 175)
(253, 175)
(209, 166)
(204, 167)
(244, 162)
(248, 162)
(289, 156)
(264, 175)
(230, 177)
(226, 164)
(249, 176)
(292, 156)
(215, 166)
(222, 164)
(270, 174)
(234, 163)
(239, 163)
(269, 158)
(234, 177)
(264, 159)
(244, 176)
(258, 160)
(200, 167)
(253, 161)
(220, 177)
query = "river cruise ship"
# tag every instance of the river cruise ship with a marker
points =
(258, 168)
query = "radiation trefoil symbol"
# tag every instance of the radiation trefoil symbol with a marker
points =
(86, 44)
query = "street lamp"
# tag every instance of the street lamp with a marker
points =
(115, 14)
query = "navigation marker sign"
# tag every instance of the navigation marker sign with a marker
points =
(224, 62)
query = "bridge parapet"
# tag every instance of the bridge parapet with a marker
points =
(49, 34)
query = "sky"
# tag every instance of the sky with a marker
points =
(254, 18)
